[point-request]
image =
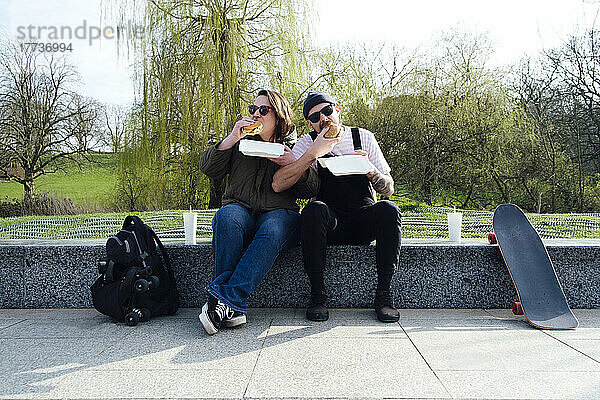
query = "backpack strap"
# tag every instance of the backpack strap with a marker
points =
(126, 288)
(168, 265)
(356, 138)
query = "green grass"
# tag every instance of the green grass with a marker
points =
(89, 186)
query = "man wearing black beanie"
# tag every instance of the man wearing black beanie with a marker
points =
(346, 210)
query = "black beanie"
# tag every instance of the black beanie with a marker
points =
(313, 99)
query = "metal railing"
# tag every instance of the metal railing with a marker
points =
(419, 222)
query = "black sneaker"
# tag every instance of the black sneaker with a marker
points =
(237, 319)
(213, 313)
(384, 307)
(317, 310)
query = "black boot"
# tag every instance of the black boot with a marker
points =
(317, 310)
(384, 307)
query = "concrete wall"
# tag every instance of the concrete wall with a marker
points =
(429, 276)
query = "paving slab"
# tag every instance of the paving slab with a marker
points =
(590, 348)
(51, 313)
(336, 328)
(8, 322)
(443, 314)
(464, 324)
(589, 324)
(462, 354)
(589, 329)
(586, 314)
(517, 385)
(185, 345)
(503, 313)
(27, 354)
(340, 367)
(28, 386)
(63, 328)
(343, 314)
(27, 362)
(582, 315)
(493, 346)
(135, 384)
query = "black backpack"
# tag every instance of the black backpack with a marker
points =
(134, 283)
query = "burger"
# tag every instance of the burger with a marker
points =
(253, 129)
(334, 130)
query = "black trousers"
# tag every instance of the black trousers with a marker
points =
(321, 225)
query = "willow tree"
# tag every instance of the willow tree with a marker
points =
(197, 64)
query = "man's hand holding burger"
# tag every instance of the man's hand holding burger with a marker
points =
(323, 144)
(330, 129)
(245, 126)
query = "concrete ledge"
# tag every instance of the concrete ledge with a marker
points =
(431, 274)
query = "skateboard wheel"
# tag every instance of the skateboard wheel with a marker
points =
(492, 238)
(132, 319)
(141, 285)
(517, 308)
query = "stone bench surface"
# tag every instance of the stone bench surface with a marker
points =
(431, 274)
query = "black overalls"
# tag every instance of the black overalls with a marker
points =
(345, 212)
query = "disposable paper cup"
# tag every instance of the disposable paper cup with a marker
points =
(454, 226)
(189, 222)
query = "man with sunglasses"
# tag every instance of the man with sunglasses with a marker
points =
(345, 210)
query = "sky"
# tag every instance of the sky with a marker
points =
(515, 28)
(103, 75)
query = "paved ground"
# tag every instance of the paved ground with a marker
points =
(430, 354)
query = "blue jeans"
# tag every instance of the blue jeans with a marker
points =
(237, 272)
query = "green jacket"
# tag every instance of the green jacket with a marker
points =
(249, 179)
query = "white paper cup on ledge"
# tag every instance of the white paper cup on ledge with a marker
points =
(190, 220)
(454, 226)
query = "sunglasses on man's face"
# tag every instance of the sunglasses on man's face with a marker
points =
(316, 116)
(264, 110)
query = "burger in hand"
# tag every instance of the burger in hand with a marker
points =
(253, 129)
(334, 130)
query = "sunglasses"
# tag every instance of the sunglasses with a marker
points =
(264, 110)
(316, 116)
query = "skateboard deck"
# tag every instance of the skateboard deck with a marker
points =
(542, 298)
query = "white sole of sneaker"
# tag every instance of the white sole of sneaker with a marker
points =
(235, 321)
(207, 324)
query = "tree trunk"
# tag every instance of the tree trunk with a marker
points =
(580, 199)
(28, 191)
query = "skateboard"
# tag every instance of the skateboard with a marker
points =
(541, 298)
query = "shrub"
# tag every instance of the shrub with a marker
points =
(41, 205)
